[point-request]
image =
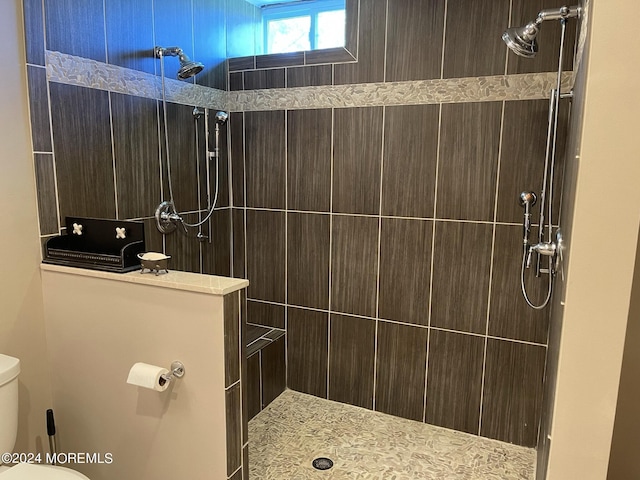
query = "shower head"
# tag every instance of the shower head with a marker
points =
(221, 117)
(522, 40)
(188, 68)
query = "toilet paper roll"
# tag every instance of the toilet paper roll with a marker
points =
(148, 376)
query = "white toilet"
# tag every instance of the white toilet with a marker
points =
(9, 370)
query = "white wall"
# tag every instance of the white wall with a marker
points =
(603, 243)
(21, 311)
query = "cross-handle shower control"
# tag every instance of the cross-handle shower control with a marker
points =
(527, 200)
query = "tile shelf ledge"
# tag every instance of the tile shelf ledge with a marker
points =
(176, 280)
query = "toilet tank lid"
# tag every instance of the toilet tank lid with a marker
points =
(9, 368)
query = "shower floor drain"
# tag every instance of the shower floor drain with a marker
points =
(322, 463)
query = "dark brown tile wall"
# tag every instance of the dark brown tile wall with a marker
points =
(265, 146)
(46, 190)
(307, 351)
(39, 108)
(351, 360)
(354, 265)
(410, 160)
(356, 160)
(454, 372)
(513, 392)
(309, 160)
(469, 146)
(461, 272)
(400, 378)
(308, 240)
(405, 267)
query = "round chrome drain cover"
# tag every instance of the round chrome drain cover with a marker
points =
(322, 463)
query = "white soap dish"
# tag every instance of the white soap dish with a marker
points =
(154, 262)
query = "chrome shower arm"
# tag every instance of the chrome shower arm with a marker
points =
(558, 13)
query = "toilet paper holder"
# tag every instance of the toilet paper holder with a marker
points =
(176, 370)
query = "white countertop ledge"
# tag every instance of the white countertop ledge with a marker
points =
(193, 282)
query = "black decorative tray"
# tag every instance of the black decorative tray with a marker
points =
(97, 244)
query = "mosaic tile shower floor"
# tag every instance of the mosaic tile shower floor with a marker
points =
(297, 428)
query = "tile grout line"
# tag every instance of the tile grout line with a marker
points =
(375, 344)
(244, 194)
(493, 244)
(444, 38)
(386, 44)
(506, 53)
(433, 248)
(286, 239)
(330, 247)
(113, 158)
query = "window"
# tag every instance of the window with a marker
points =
(307, 25)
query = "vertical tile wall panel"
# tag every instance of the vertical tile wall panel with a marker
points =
(135, 138)
(231, 310)
(308, 240)
(265, 159)
(523, 156)
(509, 316)
(234, 429)
(173, 27)
(84, 163)
(513, 392)
(454, 380)
(408, 22)
(130, 34)
(266, 255)
(354, 265)
(265, 314)
(259, 79)
(274, 376)
(182, 155)
(39, 109)
(410, 158)
(184, 249)
(236, 81)
(469, 145)
(210, 42)
(216, 253)
(46, 192)
(405, 268)
(307, 351)
(461, 270)
(473, 44)
(351, 360)
(309, 160)
(356, 160)
(236, 129)
(153, 239)
(401, 363)
(76, 28)
(254, 400)
(34, 31)
(309, 76)
(238, 243)
(525, 11)
(370, 65)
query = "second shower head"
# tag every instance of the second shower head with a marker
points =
(522, 40)
(188, 68)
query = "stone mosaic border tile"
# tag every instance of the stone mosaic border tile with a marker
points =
(84, 72)
(455, 90)
(69, 69)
